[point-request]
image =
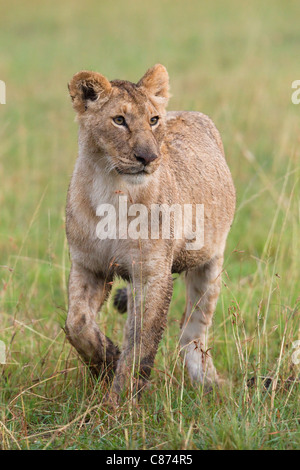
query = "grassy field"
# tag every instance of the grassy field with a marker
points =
(232, 61)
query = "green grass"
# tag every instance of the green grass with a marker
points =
(232, 61)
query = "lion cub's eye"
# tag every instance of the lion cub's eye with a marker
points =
(154, 120)
(120, 120)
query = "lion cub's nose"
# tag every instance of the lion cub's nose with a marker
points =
(145, 159)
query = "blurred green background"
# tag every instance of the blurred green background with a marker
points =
(233, 61)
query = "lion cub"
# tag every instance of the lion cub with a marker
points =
(131, 148)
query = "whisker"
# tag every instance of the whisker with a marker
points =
(110, 164)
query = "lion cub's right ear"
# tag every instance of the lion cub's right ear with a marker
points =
(86, 87)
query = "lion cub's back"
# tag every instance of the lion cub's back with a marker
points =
(196, 157)
(194, 131)
(196, 152)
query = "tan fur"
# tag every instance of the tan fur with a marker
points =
(187, 166)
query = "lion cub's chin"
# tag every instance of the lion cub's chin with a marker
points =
(137, 178)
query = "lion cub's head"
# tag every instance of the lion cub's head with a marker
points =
(121, 121)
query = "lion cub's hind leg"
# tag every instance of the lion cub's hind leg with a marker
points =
(202, 291)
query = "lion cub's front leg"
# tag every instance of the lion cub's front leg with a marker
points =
(87, 292)
(148, 306)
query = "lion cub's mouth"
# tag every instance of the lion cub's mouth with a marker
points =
(135, 171)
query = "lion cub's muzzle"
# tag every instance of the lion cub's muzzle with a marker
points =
(148, 162)
(142, 163)
(146, 158)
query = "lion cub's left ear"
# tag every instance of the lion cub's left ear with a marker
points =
(156, 82)
(86, 87)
